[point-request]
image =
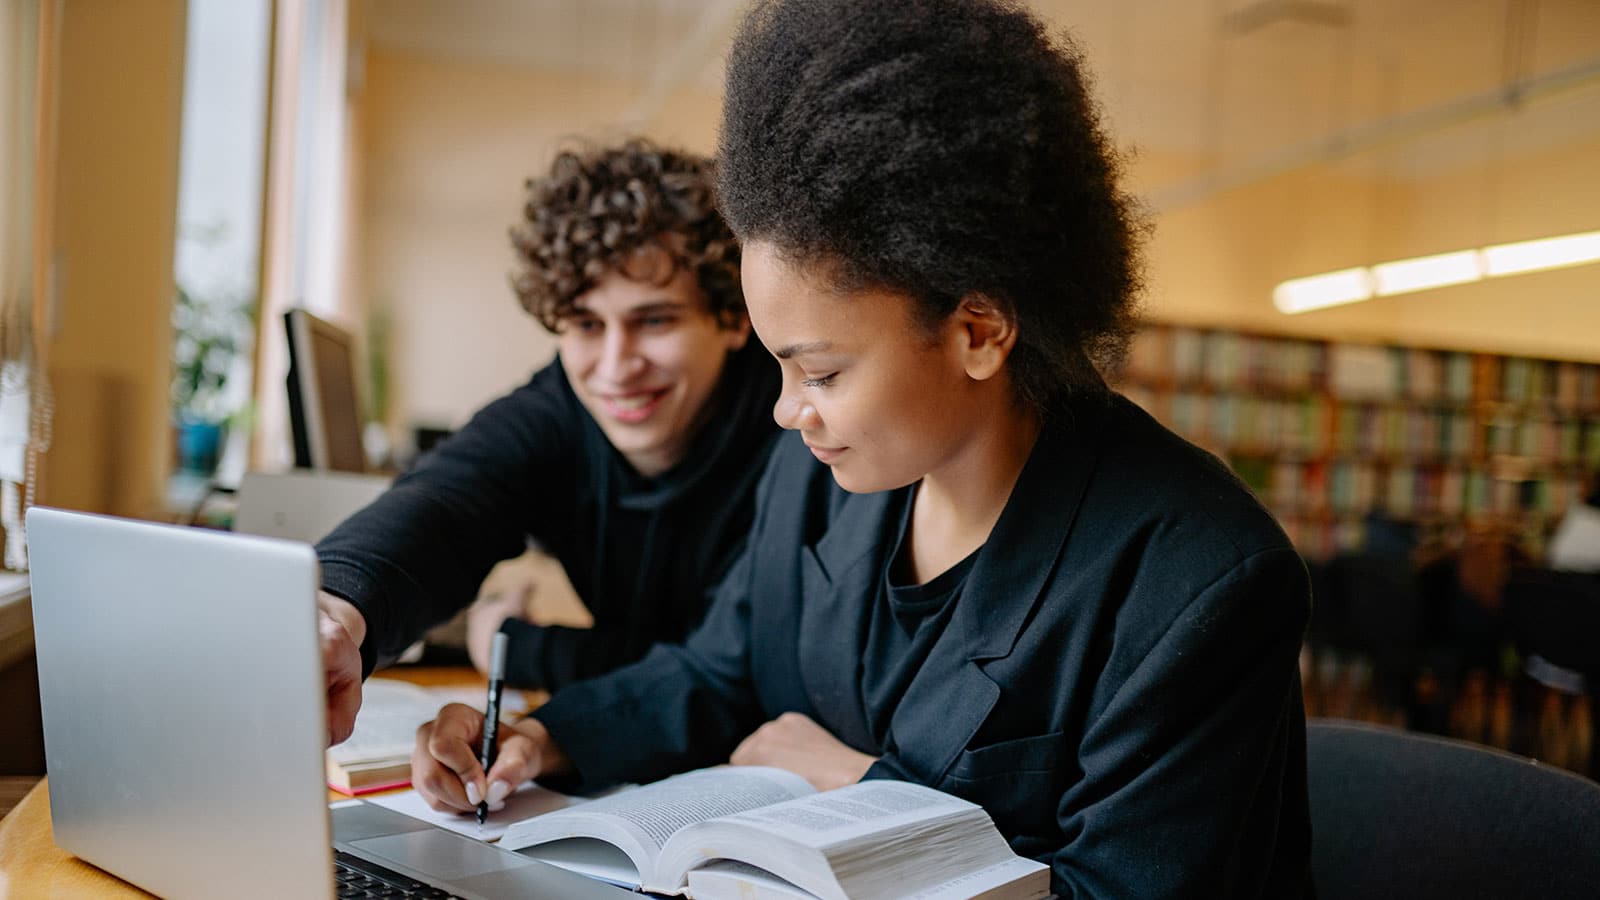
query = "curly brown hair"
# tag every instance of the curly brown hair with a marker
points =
(599, 206)
(939, 148)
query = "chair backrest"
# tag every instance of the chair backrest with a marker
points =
(1556, 615)
(1382, 612)
(1399, 814)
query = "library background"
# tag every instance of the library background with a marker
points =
(1372, 280)
(1422, 487)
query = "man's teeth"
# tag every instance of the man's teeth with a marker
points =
(636, 401)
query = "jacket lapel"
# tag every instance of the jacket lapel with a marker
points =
(941, 710)
(838, 583)
(1021, 554)
(951, 697)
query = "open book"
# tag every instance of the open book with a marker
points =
(377, 754)
(736, 832)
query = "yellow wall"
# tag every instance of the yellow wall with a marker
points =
(1216, 263)
(447, 146)
(120, 102)
(447, 143)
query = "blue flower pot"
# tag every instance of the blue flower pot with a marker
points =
(199, 445)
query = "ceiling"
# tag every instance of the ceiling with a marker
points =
(1220, 92)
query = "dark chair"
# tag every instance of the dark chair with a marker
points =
(1556, 616)
(1379, 617)
(1399, 814)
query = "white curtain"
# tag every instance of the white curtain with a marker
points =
(24, 400)
(306, 259)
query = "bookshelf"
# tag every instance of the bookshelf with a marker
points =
(1326, 432)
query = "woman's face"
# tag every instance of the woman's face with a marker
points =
(644, 360)
(876, 396)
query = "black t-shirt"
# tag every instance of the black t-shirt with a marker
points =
(904, 623)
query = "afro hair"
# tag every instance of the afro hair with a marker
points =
(940, 148)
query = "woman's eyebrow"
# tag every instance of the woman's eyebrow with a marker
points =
(793, 350)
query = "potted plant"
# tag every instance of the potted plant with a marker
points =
(210, 334)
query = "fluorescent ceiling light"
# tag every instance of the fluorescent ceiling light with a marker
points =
(1424, 272)
(1319, 291)
(1548, 253)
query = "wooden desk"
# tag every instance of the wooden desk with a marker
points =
(31, 865)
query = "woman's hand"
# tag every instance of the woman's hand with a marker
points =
(794, 742)
(445, 768)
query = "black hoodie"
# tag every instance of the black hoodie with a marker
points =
(641, 552)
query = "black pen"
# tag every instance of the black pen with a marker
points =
(491, 715)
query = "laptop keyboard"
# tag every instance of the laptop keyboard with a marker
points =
(357, 877)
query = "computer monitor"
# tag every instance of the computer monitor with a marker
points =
(323, 410)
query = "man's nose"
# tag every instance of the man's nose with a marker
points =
(619, 356)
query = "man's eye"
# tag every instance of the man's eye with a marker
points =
(819, 381)
(658, 321)
(585, 326)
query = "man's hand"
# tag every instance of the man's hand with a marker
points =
(445, 768)
(794, 742)
(340, 630)
(485, 617)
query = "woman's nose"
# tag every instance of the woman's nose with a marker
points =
(794, 414)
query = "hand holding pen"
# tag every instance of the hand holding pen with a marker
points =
(461, 761)
(491, 713)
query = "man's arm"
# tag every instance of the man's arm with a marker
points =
(417, 554)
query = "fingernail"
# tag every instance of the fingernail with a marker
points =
(497, 792)
(496, 807)
(472, 793)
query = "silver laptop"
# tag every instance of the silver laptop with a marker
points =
(182, 692)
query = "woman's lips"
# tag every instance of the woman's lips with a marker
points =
(826, 455)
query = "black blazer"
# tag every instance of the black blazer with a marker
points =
(1117, 685)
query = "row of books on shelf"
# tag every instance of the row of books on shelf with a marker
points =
(1177, 356)
(1404, 491)
(1319, 538)
(1316, 424)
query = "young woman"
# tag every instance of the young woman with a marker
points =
(632, 458)
(973, 566)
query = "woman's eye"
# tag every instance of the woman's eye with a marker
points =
(819, 381)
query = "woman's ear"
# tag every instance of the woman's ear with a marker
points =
(988, 332)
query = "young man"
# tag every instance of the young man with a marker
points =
(632, 458)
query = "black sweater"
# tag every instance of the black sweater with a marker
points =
(642, 553)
